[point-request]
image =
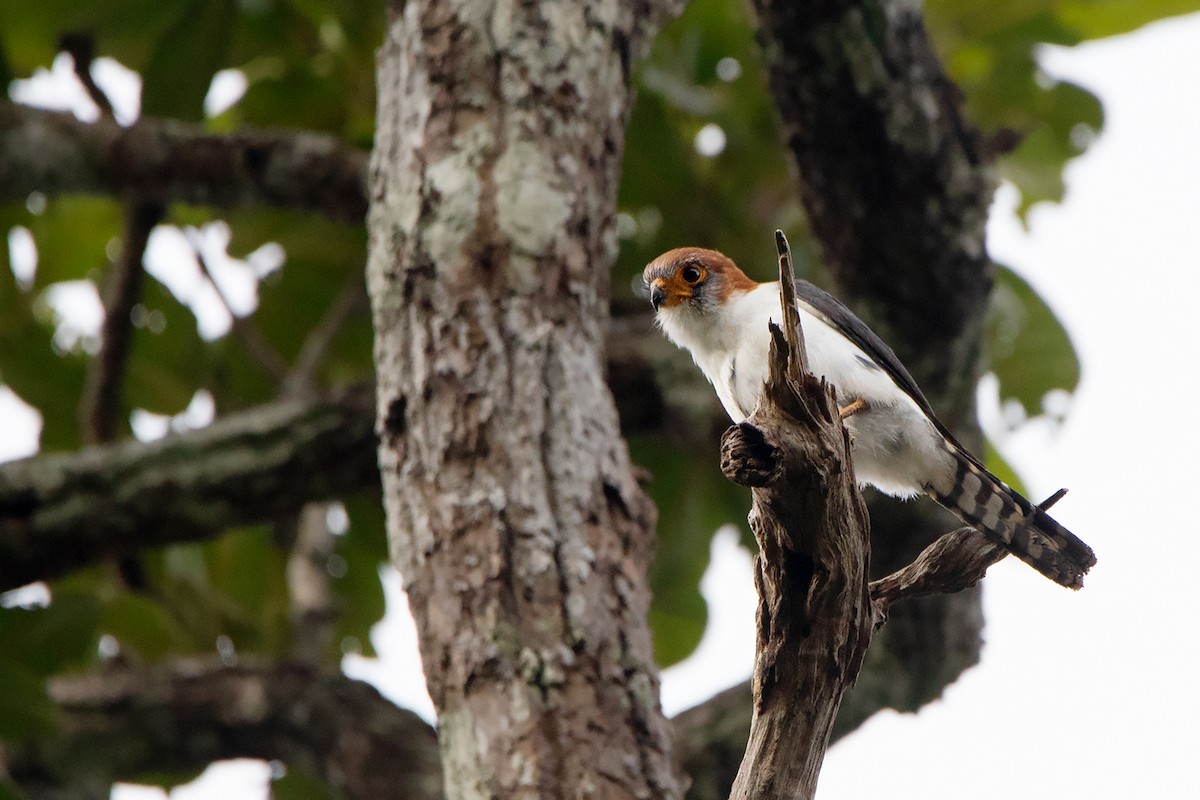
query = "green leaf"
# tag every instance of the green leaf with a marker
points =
(179, 71)
(992, 56)
(181, 577)
(249, 570)
(9, 791)
(1094, 19)
(1002, 469)
(49, 639)
(358, 593)
(26, 711)
(73, 236)
(299, 784)
(1067, 120)
(29, 32)
(29, 364)
(694, 499)
(1028, 349)
(168, 360)
(303, 236)
(142, 625)
(301, 98)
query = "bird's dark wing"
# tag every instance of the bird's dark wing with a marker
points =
(827, 307)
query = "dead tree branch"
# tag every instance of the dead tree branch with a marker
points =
(814, 613)
(817, 613)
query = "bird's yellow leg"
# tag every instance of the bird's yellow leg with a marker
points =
(851, 409)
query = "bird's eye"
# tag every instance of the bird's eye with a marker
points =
(690, 274)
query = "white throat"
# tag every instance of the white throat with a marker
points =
(712, 335)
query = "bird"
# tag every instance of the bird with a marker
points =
(705, 304)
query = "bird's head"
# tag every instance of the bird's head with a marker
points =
(693, 279)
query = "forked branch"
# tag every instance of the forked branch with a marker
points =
(815, 617)
(816, 612)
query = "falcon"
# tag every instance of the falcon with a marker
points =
(705, 304)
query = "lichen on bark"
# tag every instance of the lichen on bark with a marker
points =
(513, 513)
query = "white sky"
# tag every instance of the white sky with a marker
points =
(1093, 694)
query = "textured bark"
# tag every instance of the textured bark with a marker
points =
(512, 508)
(891, 175)
(956, 561)
(130, 723)
(64, 511)
(711, 740)
(816, 611)
(113, 723)
(167, 161)
(815, 616)
(896, 188)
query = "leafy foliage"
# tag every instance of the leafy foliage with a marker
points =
(694, 500)
(991, 52)
(1028, 348)
(310, 65)
(40, 642)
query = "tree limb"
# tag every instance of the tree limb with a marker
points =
(816, 611)
(122, 714)
(814, 615)
(60, 512)
(127, 723)
(167, 161)
(955, 561)
(63, 511)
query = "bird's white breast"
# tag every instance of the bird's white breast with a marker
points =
(896, 448)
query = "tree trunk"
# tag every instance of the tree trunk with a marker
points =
(513, 512)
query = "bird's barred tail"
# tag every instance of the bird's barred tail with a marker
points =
(983, 501)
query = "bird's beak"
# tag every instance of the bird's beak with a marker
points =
(657, 294)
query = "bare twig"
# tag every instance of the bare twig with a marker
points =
(793, 330)
(100, 405)
(82, 49)
(266, 356)
(352, 299)
(955, 561)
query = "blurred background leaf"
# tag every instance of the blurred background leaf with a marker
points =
(1028, 349)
